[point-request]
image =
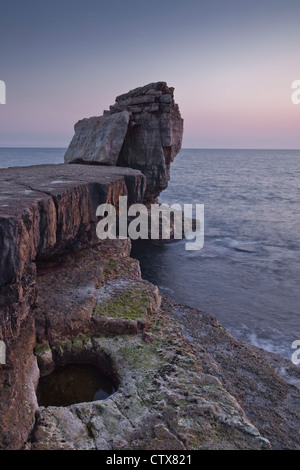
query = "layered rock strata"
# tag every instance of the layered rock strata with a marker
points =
(152, 139)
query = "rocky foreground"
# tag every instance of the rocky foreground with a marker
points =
(182, 381)
(213, 393)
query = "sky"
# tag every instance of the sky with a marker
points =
(231, 62)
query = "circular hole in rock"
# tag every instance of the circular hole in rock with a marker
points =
(73, 383)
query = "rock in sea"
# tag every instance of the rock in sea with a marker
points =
(142, 130)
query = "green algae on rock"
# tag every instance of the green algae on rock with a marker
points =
(130, 300)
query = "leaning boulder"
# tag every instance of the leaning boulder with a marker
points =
(98, 140)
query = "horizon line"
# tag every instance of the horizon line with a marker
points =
(183, 148)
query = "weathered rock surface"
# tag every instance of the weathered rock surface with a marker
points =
(45, 211)
(152, 140)
(98, 139)
(265, 385)
(86, 300)
(164, 399)
(154, 136)
(51, 209)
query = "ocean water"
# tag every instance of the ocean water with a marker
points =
(247, 273)
(30, 156)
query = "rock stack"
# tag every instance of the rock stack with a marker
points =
(142, 130)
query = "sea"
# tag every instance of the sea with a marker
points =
(248, 271)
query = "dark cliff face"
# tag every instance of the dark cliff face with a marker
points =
(142, 130)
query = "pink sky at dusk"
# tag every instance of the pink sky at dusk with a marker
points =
(232, 74)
